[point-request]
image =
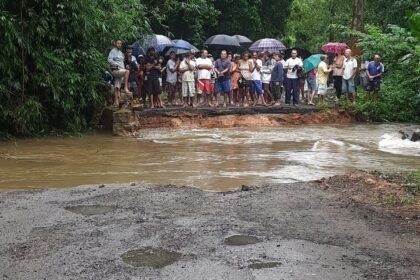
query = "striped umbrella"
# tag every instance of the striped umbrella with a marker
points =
(267, 45)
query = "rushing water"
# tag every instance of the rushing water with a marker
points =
(211, 159)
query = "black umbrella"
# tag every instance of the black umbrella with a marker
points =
(301, 52)
(242, 40)
(222, 40)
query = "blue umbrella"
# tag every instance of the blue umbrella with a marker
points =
(182, 44)
(312, 62)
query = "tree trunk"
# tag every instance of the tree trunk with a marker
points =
(357, 24)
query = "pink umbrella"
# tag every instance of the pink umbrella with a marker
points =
(334, 47)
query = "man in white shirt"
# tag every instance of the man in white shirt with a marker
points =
(256, 84)
(292, 90)
(204, 66)
(172, 77)
(350, 70)
(187, 69)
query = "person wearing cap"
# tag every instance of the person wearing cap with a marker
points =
(187, 68)
(204, 66)
(152, 85)
(222, 69)
(118, 71)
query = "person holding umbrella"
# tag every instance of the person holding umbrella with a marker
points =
(322, 79)
(152, 85)
(292, 65)
(338, 73)
(222, 68)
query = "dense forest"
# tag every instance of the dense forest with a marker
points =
(53, 51)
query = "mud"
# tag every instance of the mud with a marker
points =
(196, 120)
(306, 231)
(240, 240)
(150, 257)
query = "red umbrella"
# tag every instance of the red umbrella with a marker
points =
(334, 47)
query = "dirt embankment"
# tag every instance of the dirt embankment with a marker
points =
(311, 230)
(194, 120)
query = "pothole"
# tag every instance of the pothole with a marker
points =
(263, 265)
(239, 240)
(89, 210)
(150, 257)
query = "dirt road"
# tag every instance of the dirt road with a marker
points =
(285, 231)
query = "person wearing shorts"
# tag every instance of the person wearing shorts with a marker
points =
(204, 66)
(350, 70)
(256, 83)
(187, 68)
(322, 79)
(222, 70)
(118, 71)
(374, 72)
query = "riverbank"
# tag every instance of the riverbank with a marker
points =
(128, 123)
(308, 230)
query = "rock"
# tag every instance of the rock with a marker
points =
(403, 134)
(245, 188)
(126, 123)
(416, 136)
(132, 184)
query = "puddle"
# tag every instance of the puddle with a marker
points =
(239, 240)
(264, 265)
(89, 210)
(150, 257)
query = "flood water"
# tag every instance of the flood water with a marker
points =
(210, 159)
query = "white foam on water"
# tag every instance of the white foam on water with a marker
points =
(392, 143)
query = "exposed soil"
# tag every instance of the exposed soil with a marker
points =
(331, 229)
(196, 120)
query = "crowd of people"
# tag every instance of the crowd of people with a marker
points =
(235, 80)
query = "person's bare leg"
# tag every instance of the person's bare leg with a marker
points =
(116, 96)
(151, 101)
(126, 76)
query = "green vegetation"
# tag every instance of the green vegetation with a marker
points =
(53, 51)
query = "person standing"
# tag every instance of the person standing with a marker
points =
(338, 73)
(222, 69)
(311, 80)
(245, 66)
(374, 72)
(350, 70)
(187, 68)
(118, 71)
(322, 79)
(256, 84)
(292, 65)
(132, 67)
(152, 85)
(266, 69)
(276, 79)
(235, 74)
(172, 77)
(204, 66)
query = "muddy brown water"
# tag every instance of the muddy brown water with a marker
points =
(211, 159)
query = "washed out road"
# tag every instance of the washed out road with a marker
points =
(284, 231)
